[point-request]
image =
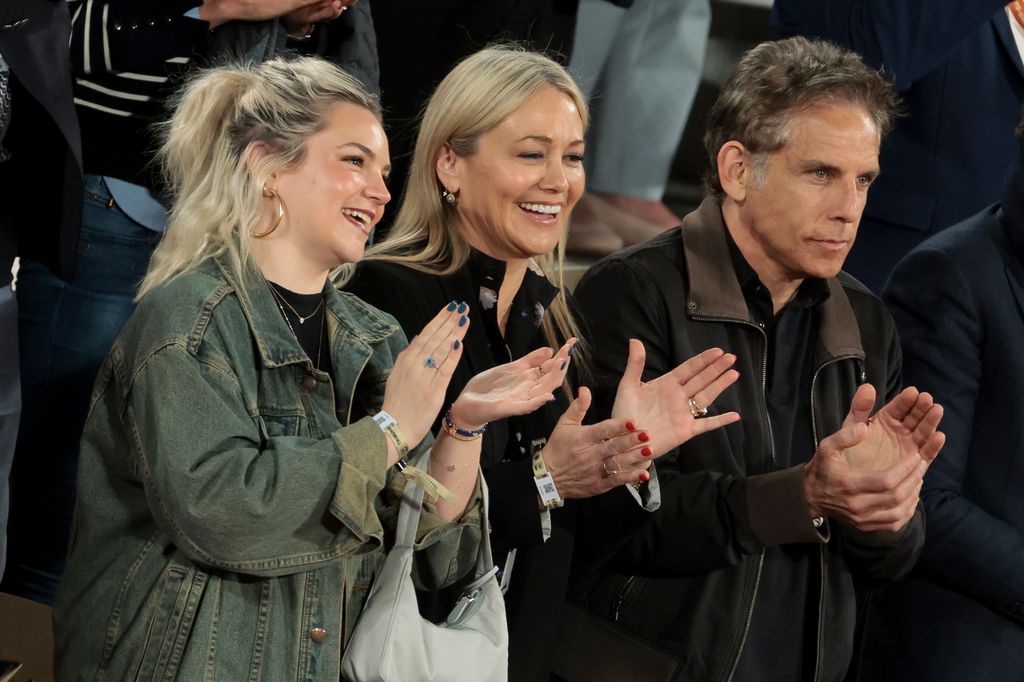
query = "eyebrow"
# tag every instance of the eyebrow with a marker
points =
(545, 139)
(813, 164)
(366, 150)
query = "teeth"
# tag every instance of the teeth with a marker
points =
(361, 217)
(542, 208)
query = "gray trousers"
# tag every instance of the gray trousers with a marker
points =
(10, 404)
(641, 67)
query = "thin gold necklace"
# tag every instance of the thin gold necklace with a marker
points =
(281, 299)
(323, 321)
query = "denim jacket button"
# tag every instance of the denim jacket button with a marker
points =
(317, 634)
(309, 383)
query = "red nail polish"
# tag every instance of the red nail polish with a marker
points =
(643, 437)
(644, 476)
(630, 426)
(646, 452)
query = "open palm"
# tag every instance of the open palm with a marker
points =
(906, 426)
(660, 406)
(515, 388)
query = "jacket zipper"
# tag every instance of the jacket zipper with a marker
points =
(821, 548)
(771, 462)
(620, 598)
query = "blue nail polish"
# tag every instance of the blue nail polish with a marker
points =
(572, 348)
(451, 306)
(462, 321)
(463, 307)
(456, 344)
(562, 367)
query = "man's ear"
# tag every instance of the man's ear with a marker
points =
(448, 168)
(735, 171)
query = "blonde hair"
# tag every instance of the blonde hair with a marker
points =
(205, 153)
(478, 94)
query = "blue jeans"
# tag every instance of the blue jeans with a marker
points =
(65, 332)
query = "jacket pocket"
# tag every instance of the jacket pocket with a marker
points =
(178, 595)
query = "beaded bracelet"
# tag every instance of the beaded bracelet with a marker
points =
(460, 434)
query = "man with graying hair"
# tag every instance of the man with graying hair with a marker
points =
(747, 570)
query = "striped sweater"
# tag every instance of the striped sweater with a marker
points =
(127, 57)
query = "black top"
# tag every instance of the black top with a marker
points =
(306, 316)
(535, 600)
(785, 619)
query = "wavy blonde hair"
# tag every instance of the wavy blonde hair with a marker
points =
(205, 153)
(478, 94)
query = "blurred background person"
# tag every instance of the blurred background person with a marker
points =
(640, 63)
(958, 300)
(40, 183)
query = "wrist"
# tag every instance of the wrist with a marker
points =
(457, 416)
(299, 31)
(810, 493)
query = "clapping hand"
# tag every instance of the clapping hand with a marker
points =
(515, 388)
(869, 473)
(671, 408)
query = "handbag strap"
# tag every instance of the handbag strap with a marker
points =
(409, 519)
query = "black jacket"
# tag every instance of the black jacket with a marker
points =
(959, 302)
(687, 579)
(537, 590)
(41, 183)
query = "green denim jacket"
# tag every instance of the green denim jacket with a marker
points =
(233, 502)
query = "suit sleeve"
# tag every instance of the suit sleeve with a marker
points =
(707, 519)
(939, 315)
(908, 38)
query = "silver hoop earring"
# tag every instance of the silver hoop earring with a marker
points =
(270, 193)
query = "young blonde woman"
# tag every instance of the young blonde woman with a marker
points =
(496, 172)
(237, 479)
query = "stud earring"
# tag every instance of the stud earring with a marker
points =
(449, 197)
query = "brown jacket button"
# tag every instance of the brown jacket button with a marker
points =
(317, 634)
(309, 383)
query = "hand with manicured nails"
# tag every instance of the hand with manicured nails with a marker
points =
(660, 406)
(578, 456)
(415, 391)
(869, 473)
(515, 388)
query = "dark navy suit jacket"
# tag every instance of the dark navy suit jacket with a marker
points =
(41, 184)
(958, 301)
(960, 75)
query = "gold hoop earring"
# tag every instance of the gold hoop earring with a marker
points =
(267, 192)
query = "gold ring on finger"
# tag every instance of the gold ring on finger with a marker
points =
(607, 473)
(695, 410)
